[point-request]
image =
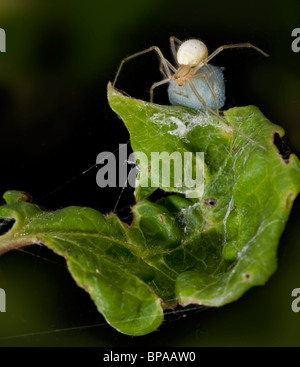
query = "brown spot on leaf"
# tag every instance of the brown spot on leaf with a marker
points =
(289, 200)
(26, 197)
(211, 203)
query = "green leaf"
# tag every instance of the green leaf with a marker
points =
(206, 250)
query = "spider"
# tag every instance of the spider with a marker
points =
(191, 58)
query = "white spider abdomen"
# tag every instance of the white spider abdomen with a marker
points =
(191, 52)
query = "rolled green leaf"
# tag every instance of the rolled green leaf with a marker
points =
(205, 250)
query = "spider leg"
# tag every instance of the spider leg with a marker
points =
(211, 75)
(226, 47)
(152, 48)
(221, 118)
(180, 93)
(172, 67)
(161, 69)
(212, 80)
(157, 84)
(203, 102)
(174, 40)
(204, 76)
(174, 89)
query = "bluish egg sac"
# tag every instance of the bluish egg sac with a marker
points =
(184, 95)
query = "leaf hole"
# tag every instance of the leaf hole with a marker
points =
(247, 276)
(282, 147)
(211, 203)
(159, 194)
(6, 225)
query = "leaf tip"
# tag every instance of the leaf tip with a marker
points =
(14, 196)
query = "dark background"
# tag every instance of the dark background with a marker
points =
(55, 120)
